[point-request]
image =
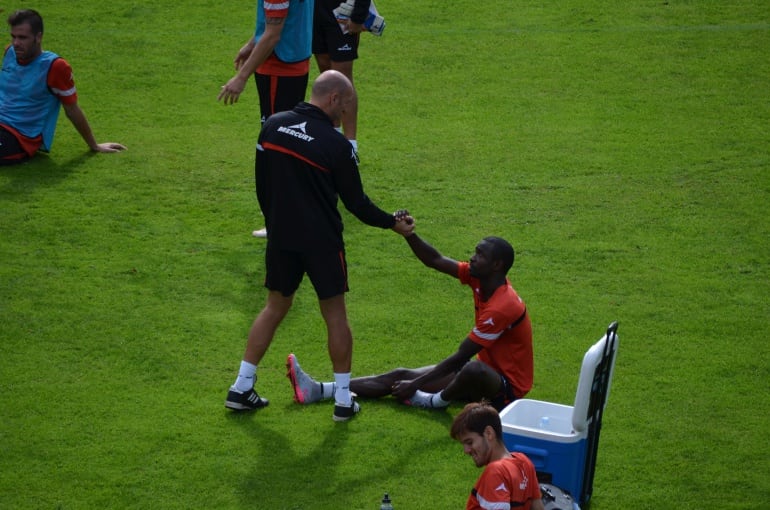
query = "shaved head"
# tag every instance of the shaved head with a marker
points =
(332, 92)
(330, 82)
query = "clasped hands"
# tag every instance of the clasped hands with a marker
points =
(404, 222)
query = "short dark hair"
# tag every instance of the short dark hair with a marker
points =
(30, 16)
(502, 251)
(476, 417)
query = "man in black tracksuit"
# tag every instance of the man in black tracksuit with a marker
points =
(303, 165)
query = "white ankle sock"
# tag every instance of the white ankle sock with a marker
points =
(437, 401)
(425, 399)
(247, 376)
(421, 399)
(327, 390)
(342, 391)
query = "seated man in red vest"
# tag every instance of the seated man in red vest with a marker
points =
(33, 84)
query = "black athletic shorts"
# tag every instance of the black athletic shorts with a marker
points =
(505, 396)
(11, 152)
(329, 39)
(327, 270)
(279, 93)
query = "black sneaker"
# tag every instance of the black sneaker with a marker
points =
(344, 413)
(247, 401)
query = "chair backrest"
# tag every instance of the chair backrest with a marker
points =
(595, 377)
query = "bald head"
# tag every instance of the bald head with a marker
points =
(330, 82)
(332, 92)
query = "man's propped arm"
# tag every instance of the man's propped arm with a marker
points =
(78, 119)
(466, 350)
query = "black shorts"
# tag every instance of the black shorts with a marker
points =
(279, 93)
(11, 152)
(328, 38)
(505, 396)
(327, 270)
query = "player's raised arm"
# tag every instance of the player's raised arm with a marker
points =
(430, 256)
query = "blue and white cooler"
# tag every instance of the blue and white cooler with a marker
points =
(561, 440)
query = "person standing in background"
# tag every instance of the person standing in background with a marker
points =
(278, 56)
(335, 46)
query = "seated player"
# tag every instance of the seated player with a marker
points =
(501, 341)
(33, 84)
(509, 479)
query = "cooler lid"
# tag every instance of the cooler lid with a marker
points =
(595, 377)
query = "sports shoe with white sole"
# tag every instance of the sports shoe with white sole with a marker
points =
(420, 399)
(247, 401)
(306, 389)
(344, 413)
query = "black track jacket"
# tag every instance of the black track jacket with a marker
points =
(302, 166)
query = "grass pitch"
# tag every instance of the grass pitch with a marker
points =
(622, 149)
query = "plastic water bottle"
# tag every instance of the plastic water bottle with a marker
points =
(386, 505)
(545, 423)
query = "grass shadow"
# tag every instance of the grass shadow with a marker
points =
(40, 171)
(291, 472)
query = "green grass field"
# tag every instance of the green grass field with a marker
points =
(622, 149)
